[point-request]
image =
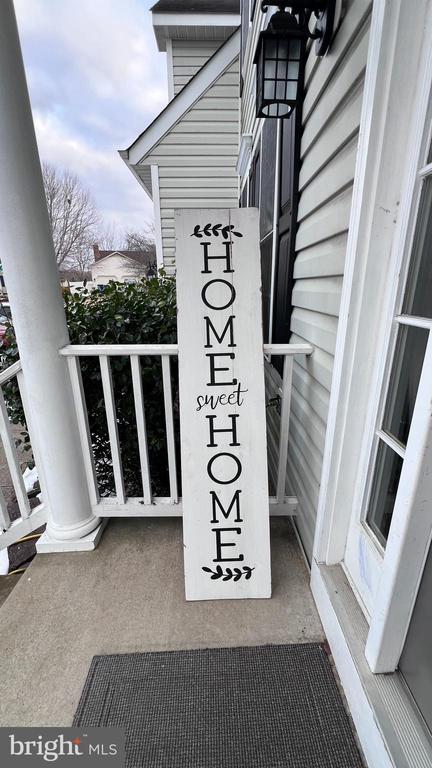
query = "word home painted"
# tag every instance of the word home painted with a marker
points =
(222, 405)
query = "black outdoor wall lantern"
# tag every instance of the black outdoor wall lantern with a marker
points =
(281, 53)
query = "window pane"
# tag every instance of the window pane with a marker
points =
(293, 70)
(282, 69)
(294, 49)
(287, 165)
(418, 297)
(388, 467)
(291, 90)
(268, 176)
(404, 381)
(271, 48)
(254, 182)
(269, 89)
(266, 260)
(270, 69)
(282, 49)
(280, 89)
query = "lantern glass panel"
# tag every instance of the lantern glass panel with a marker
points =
(282, 70)
(270, 69)
(295, 49)
(283, 49)
(280, 89)
(291, 90)
(293, 70)
(270, 48)
(269, 89)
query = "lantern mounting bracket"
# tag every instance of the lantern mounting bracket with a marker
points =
(324, 12)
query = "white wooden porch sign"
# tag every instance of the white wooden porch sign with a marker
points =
(222, 406)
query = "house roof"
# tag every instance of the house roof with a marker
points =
(180, 105)
(197, 6)
(141, 257)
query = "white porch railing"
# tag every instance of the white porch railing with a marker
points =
(119, 504)
(29, 519)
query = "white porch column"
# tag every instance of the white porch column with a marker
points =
(27, 255)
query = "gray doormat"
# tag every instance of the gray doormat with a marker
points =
(264, 707)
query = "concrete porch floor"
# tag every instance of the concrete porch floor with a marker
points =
(127, 596)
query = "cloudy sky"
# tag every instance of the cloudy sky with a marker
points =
(96, 79)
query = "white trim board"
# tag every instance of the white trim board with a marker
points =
(390, 732)
(170, 69)
(166, 24)
(157, 215)
(179, 19)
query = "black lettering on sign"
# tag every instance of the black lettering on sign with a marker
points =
(229, 327)
(214, 370)
(225, 499)
(226, 512)
(232, 294)
(226, 257)
(232, 429)
(219, 544)
(235, 477)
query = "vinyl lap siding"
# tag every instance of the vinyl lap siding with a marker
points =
(188, 57)
(331, 117)
(197, 158)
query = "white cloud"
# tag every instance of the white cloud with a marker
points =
(96, 80)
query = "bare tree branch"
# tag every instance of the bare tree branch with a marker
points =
(140, 241)
(72, 214)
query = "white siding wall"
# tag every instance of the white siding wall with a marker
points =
(197, 158)
(117, 268)
(331, 115)
(188, 56)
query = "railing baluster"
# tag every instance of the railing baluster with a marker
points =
(169, 423)
(141, 427)
(12, 459)
(284, 427)
(83, 427)
(5, 520)
(110, 409)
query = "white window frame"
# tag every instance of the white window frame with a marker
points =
(393, 115)
(411, 528)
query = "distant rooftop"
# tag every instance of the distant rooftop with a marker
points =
(197, 6)
(142, 257)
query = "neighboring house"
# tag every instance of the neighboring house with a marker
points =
(187, 157)
(343, 188)
(120, 266)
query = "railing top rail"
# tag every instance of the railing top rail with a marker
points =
(10, 372)
(88, 350)
(288, 349)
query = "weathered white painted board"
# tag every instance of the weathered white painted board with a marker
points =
(224, 473)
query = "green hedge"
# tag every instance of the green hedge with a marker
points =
(143, 312)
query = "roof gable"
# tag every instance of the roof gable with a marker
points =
(183, 101)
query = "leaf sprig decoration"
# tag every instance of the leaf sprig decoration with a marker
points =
(229, 573)
(216, 230)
